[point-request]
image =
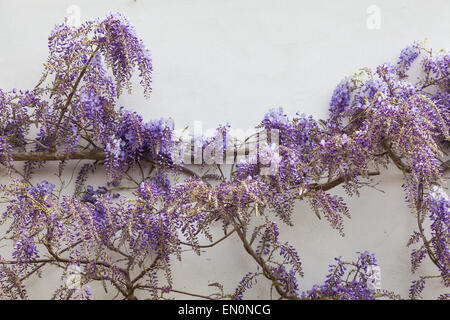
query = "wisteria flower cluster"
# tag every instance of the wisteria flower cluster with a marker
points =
(134, 207)
(360, 282)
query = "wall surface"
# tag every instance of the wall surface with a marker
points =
(229, 62)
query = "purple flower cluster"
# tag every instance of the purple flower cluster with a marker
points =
(437, 248)
(135, 141)
(440, 231)
(246, 283)
(407, 56)
(346, 281)
(75, 101)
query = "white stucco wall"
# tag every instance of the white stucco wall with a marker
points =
(230, 61)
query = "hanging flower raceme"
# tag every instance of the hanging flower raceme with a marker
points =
(440, 231)
(348, 281)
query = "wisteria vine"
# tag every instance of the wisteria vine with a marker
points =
(127, 233)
